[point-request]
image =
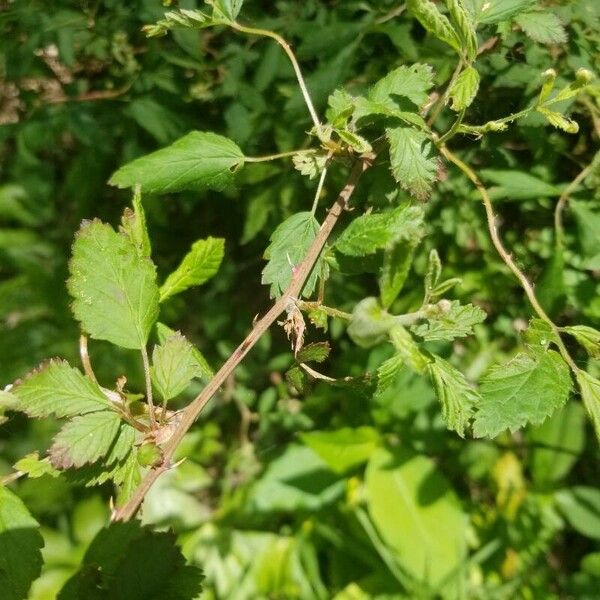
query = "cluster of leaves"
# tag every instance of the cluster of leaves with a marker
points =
(335, 470)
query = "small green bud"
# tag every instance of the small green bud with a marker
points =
(583, 76)
(149, 455)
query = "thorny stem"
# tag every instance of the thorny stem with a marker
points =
(506, 257)
(560, 205)
(300, 274)
(295, 65)
(146, 362)
(256, 159)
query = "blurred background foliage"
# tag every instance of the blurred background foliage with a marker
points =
(333, 492)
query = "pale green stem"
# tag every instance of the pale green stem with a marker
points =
(313, 210)
(148, 379)
(268, 157)
(286, 47)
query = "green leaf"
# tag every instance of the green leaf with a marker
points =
(557, 444)
(464, 89)
(373, 231)
(412, 162)
(417, 514)
(197, 161)
(542, 26)
(590, 394)
(518, 185)
(588, 337)
(133, 224)
(230, 8)
(309, 164)
(113, 287)
(528, 389)
(317, 352)
(449, 320)
(410, 82)
(129, 562)
(55, 388)
(34, 466)
(464, 27)
(20, 543)
(370, 323)
(457, 397)
(343, 449)
(581, 507)
(406, 347)
(559, 121)
(588, 228)
(435, 22)
(199, 265)
(164, 332)
(173, 366)
(84, 439)
(394, 271)
(289, 244)
(340, 108)
(495, 11)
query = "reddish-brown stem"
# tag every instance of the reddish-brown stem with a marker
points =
(299, 276)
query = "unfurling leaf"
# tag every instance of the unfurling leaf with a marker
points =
(289, 244)
(457, 397)
(527, 389)
(394, 271)
(449, 320)
(464, 89)
(435, 22)
(230, 8)
(197, 161)
(464, 26)
(84, 439)
(412, 161)
(173, 366)
(55, 388)
(164, 332)
(559, 121)
(133, 224)
(113, 287)
(20, 544)
(200, 264)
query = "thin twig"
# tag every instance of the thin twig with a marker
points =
(505, 255)
(256, 159)
(313, 210)
(286, 47)
(300, 274)
(85, 358)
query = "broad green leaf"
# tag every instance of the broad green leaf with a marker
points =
(539, 333)
(289, 244)
(412, 161)
(55, 388)
(435, 22)
(588, 337)
(542, 26)
(173, 366)
(557, 443)
(518, 185)
(20, 543)
(197, 161)
(365, 108)
(129, 562)
(200, 264)
(34, 466)
(133, 224)
(370, 323)
(417, 514)
(457, 397)
(588, 228)
(493, 11)
(113, 287)
(317, 352)
(528, 389)
(449, 320)
(343, 449)
(371, 232)
(164, 332)
(590, 394)
(464, 89)
(84, 439)
(394, 271)
(410, 82)
(581, 507)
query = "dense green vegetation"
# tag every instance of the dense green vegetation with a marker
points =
(407, 194)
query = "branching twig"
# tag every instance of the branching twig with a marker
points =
(506, 257)
(299, 275)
